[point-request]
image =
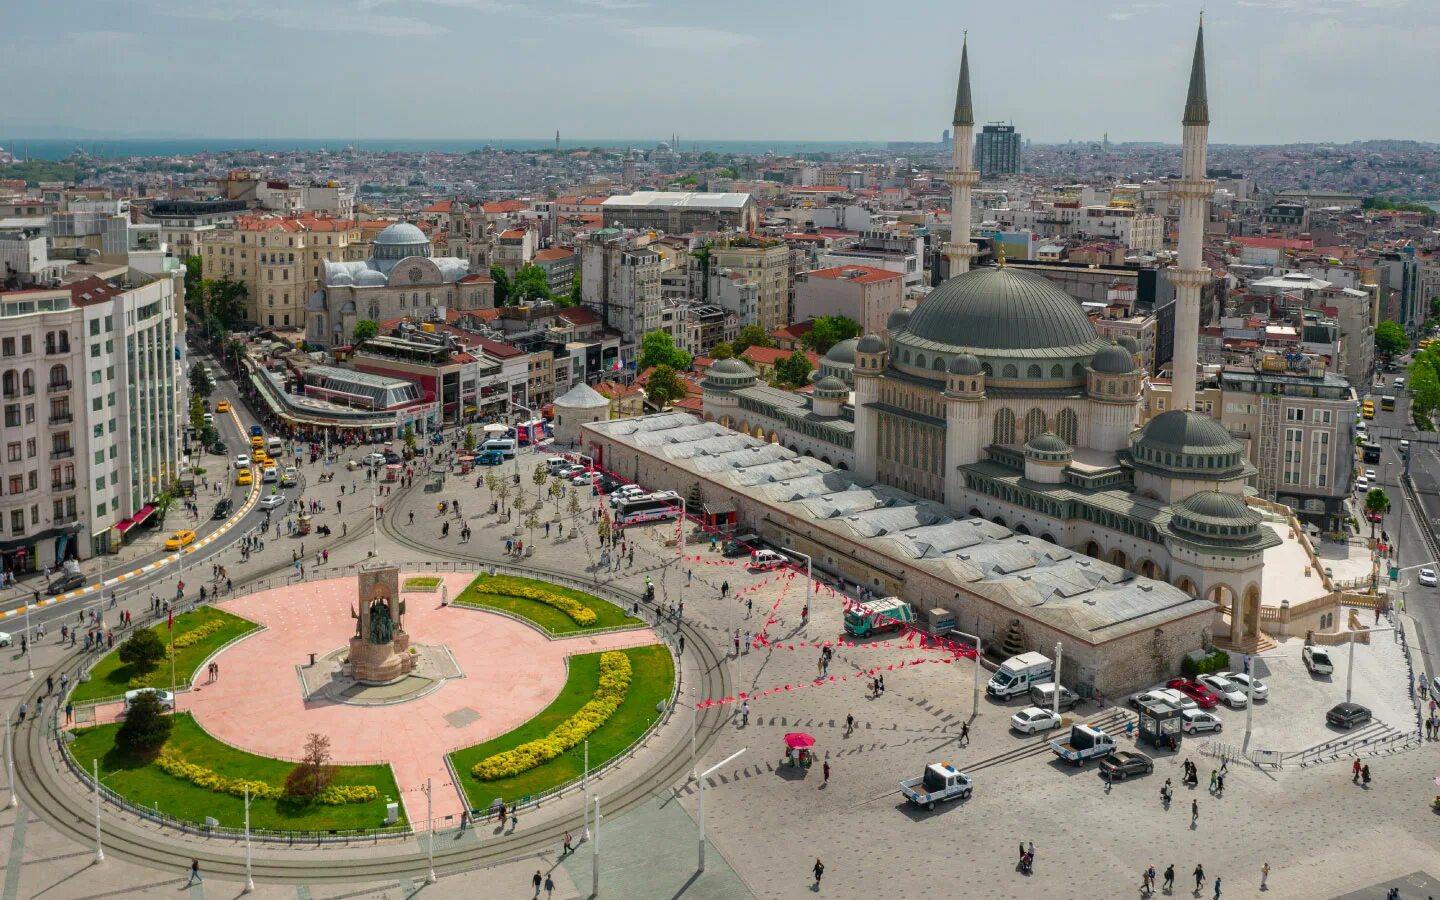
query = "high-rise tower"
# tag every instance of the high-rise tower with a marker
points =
(1190, 275)
(962, 175)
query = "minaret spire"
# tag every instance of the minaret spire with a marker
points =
(1190, 276)
(962, 175)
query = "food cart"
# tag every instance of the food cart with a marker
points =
(798, 749)
(302, 525)
(392, 472)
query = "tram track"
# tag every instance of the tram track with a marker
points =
(57, 796)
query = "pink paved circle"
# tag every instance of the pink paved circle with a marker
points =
(512, 672)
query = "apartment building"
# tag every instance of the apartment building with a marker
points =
(766, 263)
(92, 395)
(620, 282)
(184, 223)
(280, 260)
(861, 293)
(676, 212)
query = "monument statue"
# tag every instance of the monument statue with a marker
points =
(380, 649)
(382, 627)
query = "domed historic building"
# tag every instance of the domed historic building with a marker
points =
(401, 278)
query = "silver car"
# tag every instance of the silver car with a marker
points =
(1231, 693)
(1259, 690)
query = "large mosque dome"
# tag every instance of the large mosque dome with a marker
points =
(1005, 309)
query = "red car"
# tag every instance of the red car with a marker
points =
(1202, 695)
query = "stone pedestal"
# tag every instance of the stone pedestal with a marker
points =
(380, 649)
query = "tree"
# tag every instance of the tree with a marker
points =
(531, 522)
(142, 651)
(722, 350)
(664, 387)
(1377, 502)
(502, 490)
(163, 503)
(225, 299)
(200, 384)
(827, 331)
(604, 529)
(658, 349)
(531, 285)
(146, 727)
(197, 413)
(1390, 338)
(539, 477)
(752, 336)
(556, 490)
(794, 370)
(573, 507)
(194, 292)
(575, 292)
(502, 285)
(408, 436)
(470, 439)
(313, 775)
(365, 329)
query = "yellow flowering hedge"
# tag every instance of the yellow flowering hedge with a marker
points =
(578, 612)
(196, 635)
(615, 673)
(172, 763)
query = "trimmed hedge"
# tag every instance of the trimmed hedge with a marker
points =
(508, 587)
(1216, 661)
(615, 674)
(335, 795)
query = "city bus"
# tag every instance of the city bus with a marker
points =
(1368, 410)
(1371, 452)
(654, 507)
(1387, 402)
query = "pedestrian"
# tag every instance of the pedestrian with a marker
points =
(1194, 815)
(566, 849)
(1214, 778)
(538, 881)
(1217, 887)
(1355, 771)
(737, 642)
(1169, 877)
(1264, 877)
(826, 771)
(747, 640)
(1220, 786)
(194, 872)
(1364, 770)
(881, 681)
(749, 605)
(849, 723)
(1199, 877)
(689, 576)
(965, 733)
(819, 871)
(744, 712)
(682, 643)
(549, 887)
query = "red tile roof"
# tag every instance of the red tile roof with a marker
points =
(477, 279)
(866, 274)
(794, 331)
(579, 315)
(441, 206)
(554, 253)
(496, 207)
(1269, 243)
(91, 290)
(614, 390)
(769, 356)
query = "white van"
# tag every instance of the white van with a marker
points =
(1018, 674)
(506, 446)
(275, 447)
(556, 464)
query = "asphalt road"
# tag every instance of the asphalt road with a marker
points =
(1401, 525)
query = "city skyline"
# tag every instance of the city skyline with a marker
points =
(310, 70)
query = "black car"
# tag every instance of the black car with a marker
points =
(67, 582)
(1347, 715)
(219, 448)
(392, 457)
(607, 485)
(223, 509)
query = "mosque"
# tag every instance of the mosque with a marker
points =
(996, 398)
(402, 277)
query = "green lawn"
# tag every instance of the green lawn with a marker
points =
(547, 617)
(651, 679)
(111, 678)
(144, 784)
(421, 583)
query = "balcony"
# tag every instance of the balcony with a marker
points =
(63, 485)
(55, 387)
(66, 518)
(63, 418)
(57, 349)
(62, 453)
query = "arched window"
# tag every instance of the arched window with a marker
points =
(919, 360)
(1034, 423)
(1057, 371)
(1033, 372)
(1067, 425)
(906, 356)
(938, 365)
(1010, 372)
(985, 367)
(12, 382)
(1077, 370)
(1004, 429)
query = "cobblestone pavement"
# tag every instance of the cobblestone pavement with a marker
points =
(768, 823)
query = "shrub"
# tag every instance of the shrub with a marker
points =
(142, 651)
(173, 764)
(615, 673)
(314, 774)
(421, 583)
(578, 612)
(1215, 661)
(198, 634)
(146, 727)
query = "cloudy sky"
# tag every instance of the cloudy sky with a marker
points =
(1280, 70)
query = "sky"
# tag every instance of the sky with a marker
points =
(1280, 71)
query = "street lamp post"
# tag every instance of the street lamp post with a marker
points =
(374, 511)
(249, 875)
(809, 571)
(10, 760)
(513, 406)
(595, 854)
(29, 642)
(1055, 699)
(700, 819)
(975, 692)
(430, 820)
(585, 786)
(95, 773)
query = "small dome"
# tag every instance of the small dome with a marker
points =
(870, 343)
(341, 279)
(401, 233)
(898, 320)
(730, 366)
(1047, 443)
(1129, 343)
(831, 387)
(1186, 444)
(371, 278)
(1113, 360)
(843, 352)
(965, 364)
(728, 375)
(1187, 432)
(1214, 516)
(581, 396)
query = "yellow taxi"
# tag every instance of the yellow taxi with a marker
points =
(260, 456)
(180, 539)
(244, 477)
(256, 442)
(223, 406)
(1368, 411)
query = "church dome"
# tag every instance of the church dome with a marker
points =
(898, 319)
(870, 343)
(1185, 444)
(1004, 309)
(965, 364)
(1113, 360)
(401, 233)
(1213, 516)
(843, 352)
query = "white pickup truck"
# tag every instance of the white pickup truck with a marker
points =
(1085, 743)
(940, 782)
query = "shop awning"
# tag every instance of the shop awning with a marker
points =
(124, 525)
(144, 513)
